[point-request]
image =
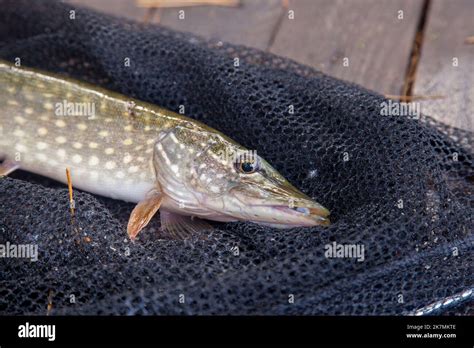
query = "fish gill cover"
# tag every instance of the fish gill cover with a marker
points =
(398, 187)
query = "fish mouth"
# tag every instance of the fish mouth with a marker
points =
(317, 213)
(289, 216)
(280, 207)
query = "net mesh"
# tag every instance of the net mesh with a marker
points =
(400, 187)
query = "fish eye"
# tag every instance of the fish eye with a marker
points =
(247, 167)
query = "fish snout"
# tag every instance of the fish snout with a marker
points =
(305, 213)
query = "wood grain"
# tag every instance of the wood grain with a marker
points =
(250, 24)
(181, 3)
(449, 24)
(120, 8)
(368, 32)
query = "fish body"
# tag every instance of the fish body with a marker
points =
(126, 149)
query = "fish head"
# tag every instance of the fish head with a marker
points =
(211, 176)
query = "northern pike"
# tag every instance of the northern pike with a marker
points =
(126, 149)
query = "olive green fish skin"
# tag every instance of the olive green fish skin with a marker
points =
(122, 148)
(109, 152)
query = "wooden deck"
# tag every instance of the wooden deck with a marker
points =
(422, 49)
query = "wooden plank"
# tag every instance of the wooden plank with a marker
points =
(367, 32)
(181, 3)
(120, 8)
(449, 24)
(249, 24)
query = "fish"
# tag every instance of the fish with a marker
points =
(126, 149)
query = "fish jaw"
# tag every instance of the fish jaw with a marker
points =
(296, 216)
(281, 210)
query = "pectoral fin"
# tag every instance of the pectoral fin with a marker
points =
(8, 166)
(181, 226)
(143, 212)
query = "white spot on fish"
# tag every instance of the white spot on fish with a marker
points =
(127, 159)
(42, 131)
(93, 161)
(93, 145)
(12, 102)
(81, 126)
(41, 145)
(214, 188)
(110, 165)
(42, 157)
(77, 159)
(29, 111)
(61, 153)
(60, 123)
(18, 133)
(48, 106)
(202, 166)
(150, 141)
(175, 168)
(44, 118)
(120, 175)
(109, 151)
(128, 142)
(77, 145)
(181, 146)
(19, 120)
(128, 128)
(133, 169)
(21, 148)
(104, 133)
(147, 128)
(11, 90)
(60, 140)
